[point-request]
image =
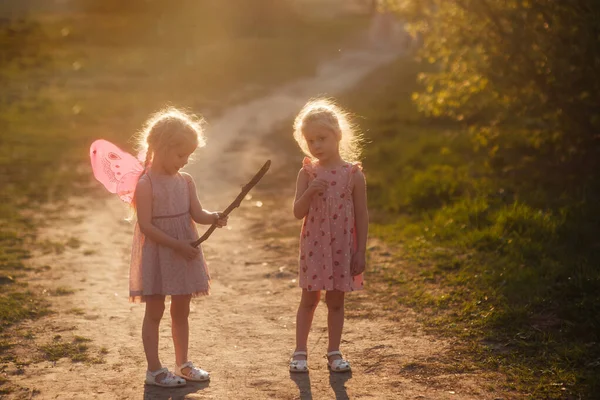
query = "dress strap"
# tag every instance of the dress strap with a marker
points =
(354, 168)
(146, 175)
(189, 183)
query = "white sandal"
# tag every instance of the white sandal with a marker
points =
(195, 374)
(298, 365)
(339, 365)
(169, 380)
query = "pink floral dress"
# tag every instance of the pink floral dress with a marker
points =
(328, 237)
(157, 269)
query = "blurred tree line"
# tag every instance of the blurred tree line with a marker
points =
(22, 57)
(517, 71)
(199, 20)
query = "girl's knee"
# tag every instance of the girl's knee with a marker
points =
(180, 307)
(335, 301)
(310, 300)
(155, 311)
(180, 312)
(309, 304)
(335, 307)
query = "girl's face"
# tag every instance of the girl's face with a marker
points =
(177, 157)
(322, 142)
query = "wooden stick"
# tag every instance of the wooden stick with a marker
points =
(238, 200)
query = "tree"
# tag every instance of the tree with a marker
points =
(530, 64)
(22, 59)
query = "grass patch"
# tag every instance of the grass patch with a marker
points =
(28, 335)
(80, 339)
(61, 291)
(76, 350)
(4, 389)
(490, 252)
(16, 305)
(73, 243)
(77, 311)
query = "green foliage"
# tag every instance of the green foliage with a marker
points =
(527, 231)
(197, 22)
(530, 64)
(433, 187)
(77, 350)
(499, 248)
(22, 59)
(17, 305)
(23, 56)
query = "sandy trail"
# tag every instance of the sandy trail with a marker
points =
(244, 332)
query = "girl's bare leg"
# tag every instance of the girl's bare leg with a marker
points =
(155, 307)
(335, 320)
(180, 328)
(304, 318)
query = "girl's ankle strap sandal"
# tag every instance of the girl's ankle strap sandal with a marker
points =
(298, 365)
(194, 374)
(338, 365)
(169, 380)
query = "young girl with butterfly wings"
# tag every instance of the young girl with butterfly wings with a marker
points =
(163, 261)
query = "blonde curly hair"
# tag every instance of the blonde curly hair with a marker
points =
(167, 128)
(325, 113)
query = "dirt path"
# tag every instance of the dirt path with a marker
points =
(244, 332)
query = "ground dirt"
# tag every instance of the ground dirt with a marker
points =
(243, 333)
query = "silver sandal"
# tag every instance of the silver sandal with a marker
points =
(195, 374)
(168, 381)
(339, 365)
(298, 365)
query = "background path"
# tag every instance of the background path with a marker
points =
(244, 332)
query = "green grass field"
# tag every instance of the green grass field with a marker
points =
(494, 258)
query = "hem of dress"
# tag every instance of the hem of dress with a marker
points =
(141, 298)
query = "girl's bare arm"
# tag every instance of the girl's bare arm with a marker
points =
(199, 215)
(361, 213)
(303, 196)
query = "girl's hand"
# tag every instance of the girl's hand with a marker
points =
(220, 220)
(317, 186)
(186, 249)
(358, 264)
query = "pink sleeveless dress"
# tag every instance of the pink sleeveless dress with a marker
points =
(328, 237)
(159, 270)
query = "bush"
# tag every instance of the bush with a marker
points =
(527, 232)
(434, 187)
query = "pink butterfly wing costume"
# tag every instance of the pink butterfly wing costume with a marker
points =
(116, 169)
(154, 269)
(328, 237)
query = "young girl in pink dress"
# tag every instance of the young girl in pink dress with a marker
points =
(163, 262)
(331, 197)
